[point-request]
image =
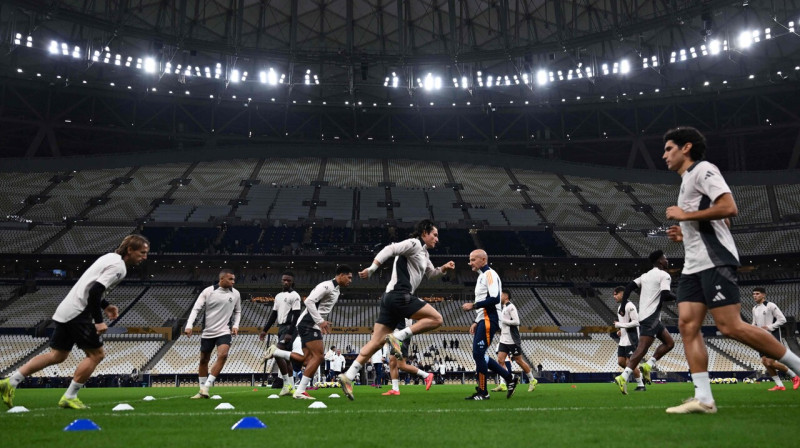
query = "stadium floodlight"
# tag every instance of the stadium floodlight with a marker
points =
(18, 39)
(244, 76)
(217, 70)
(767, 33)
(271, 77)
(139, 63)
(672, 57)
(128, 61)
(455, 82)
(589, 73)
(624, 66)
(745, 39)
(118, 59)
(497, 81)
(64, 49)
(615, 68)
(208, 72)
(489, 80)
(693, 52)
(569, 74)
(714, 47)
(605, 69)
(262, 76)
(96, 55)
(464, 82)
(756, 36)
(437, 82)
(525, 78)
(53, 48)
(508, 81)
(76, 52)
(683, 54)
(791, 27)
(429, 83)
(235, 76)
(560, 75)
(385, 81)
(283, 76)
(29, 41)
(316, 79)
(395, 80)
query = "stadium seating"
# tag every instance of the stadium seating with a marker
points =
(89, 240)
(21, 241)
(123, 354)
(417, 174)
(159, 305)
(349, 172)
(16, 347)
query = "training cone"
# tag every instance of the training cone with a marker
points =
(223, 406)
(334, 396)
(17, 409)
(317, 405)
(82, 424)
(249, 423)
(274, 396)
(148, 398)
(123, 407)
(216, 397)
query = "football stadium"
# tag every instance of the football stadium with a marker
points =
(417, 223)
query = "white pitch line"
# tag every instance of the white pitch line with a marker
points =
(396, 411)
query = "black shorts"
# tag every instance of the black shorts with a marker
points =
(625, 351)
(511, 349)
(777, 335)
(396, 306)
(284, 331)
(714, 287)
(84, 334)
(207, 344)
(651, 326)
(308, 334)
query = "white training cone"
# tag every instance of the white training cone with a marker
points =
(123, 407)
(216, 397)
(17, 409)
(317, 405)
(223, 406)
(148, 398)
(273, 396)
(334, 396)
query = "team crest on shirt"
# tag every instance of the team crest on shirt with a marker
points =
(230, 299)
(119, 275)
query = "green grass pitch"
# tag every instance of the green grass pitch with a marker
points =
(553, 415)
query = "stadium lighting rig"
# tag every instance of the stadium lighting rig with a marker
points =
(743, 41)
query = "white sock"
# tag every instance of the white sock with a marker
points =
(403, 334)
(626, 373)
(702, 388)
(284, 354)
(396, 385)
(652, 361)
(791, 361)
(210, 381)
(16, 378)
(72, 390)
(530, 375)
(287, 380)
(422, 374)
(639, 381)
(353, 370)
(777, 381)
(791, 373)
(303, 384)
(202, 380)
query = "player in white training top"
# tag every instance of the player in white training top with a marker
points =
(628, 332)
(708, 281)
(79, 320)
(411, 264)
(312, 324)
(285, 310)
(653, 289)
(222, 304)
(768, 316)
(511, 342)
